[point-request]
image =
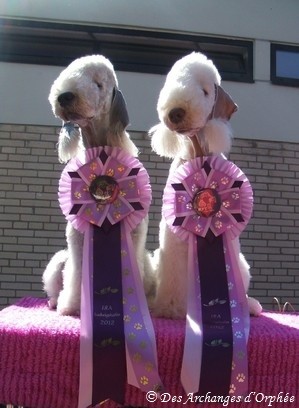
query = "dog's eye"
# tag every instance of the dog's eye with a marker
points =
(206, 93)
(99, 85)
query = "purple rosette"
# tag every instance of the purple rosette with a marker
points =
(105, 193)
(208, 202)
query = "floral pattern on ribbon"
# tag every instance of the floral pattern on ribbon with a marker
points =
(103, 186)
(210, 194)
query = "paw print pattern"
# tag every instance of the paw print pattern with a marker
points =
(197, 176)
(149, 366)
(93, 166)
(144, 380)
(240, 377)
(230, 284)
(137, 357)
(224, 180)
(214, 184)
(233, 303)
(232, 389)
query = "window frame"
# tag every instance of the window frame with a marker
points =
(276, 79)
(129, 49)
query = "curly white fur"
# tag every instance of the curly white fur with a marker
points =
(194, 111)
(86, 97)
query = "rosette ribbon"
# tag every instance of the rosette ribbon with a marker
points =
(207, 202)
(105, 193)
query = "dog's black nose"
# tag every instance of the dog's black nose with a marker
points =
(176, 115)
(65, 98)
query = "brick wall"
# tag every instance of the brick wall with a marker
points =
(32, 226)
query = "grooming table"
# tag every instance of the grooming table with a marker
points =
(39, 359)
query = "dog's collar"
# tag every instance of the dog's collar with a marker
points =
(69, 126)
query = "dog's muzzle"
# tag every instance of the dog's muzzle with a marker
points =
(65, 99)
(176, 115)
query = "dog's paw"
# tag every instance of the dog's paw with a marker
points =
(67, 305)
(255, 308)
(52, 303)
(68, 311)
(167, 310)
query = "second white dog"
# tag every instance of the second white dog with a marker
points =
(194, 112)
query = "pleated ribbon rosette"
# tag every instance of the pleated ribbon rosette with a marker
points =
(208, 202)
(105, 193)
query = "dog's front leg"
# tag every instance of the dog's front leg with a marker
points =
(69, 298)
(254, 305)
(171, 273)
(139, 235)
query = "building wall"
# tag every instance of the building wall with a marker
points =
(32, 226)
(266, 111)
(266, 136)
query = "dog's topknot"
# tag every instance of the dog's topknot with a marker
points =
(192, 65)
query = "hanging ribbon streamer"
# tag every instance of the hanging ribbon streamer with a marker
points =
(208, 202)
(105, 194)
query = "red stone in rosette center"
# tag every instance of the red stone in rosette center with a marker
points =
(206, 202)
(104, 189)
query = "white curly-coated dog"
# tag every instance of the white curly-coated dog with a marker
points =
(86, 97)
(194, 112)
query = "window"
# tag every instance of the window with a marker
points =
(35, 42)
(285, 65)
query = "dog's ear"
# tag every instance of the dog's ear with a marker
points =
(217, 136)
(165, 142)
(118, 111)
(224, 105)
(68, 142)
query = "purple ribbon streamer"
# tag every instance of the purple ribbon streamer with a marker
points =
(105, 368)
(211, 377)
(217, 338)
(109, 363)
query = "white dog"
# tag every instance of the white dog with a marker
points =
(194, 112)
(86, 94)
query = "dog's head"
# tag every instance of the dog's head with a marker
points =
(190, 104)
(86, 94)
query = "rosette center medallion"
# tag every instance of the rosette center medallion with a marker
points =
(206, 202)
(104, 189)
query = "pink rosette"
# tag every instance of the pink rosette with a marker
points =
(208, 202)
(215, 173)
(81, 208)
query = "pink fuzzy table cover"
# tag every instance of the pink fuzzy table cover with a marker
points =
(39, 361)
